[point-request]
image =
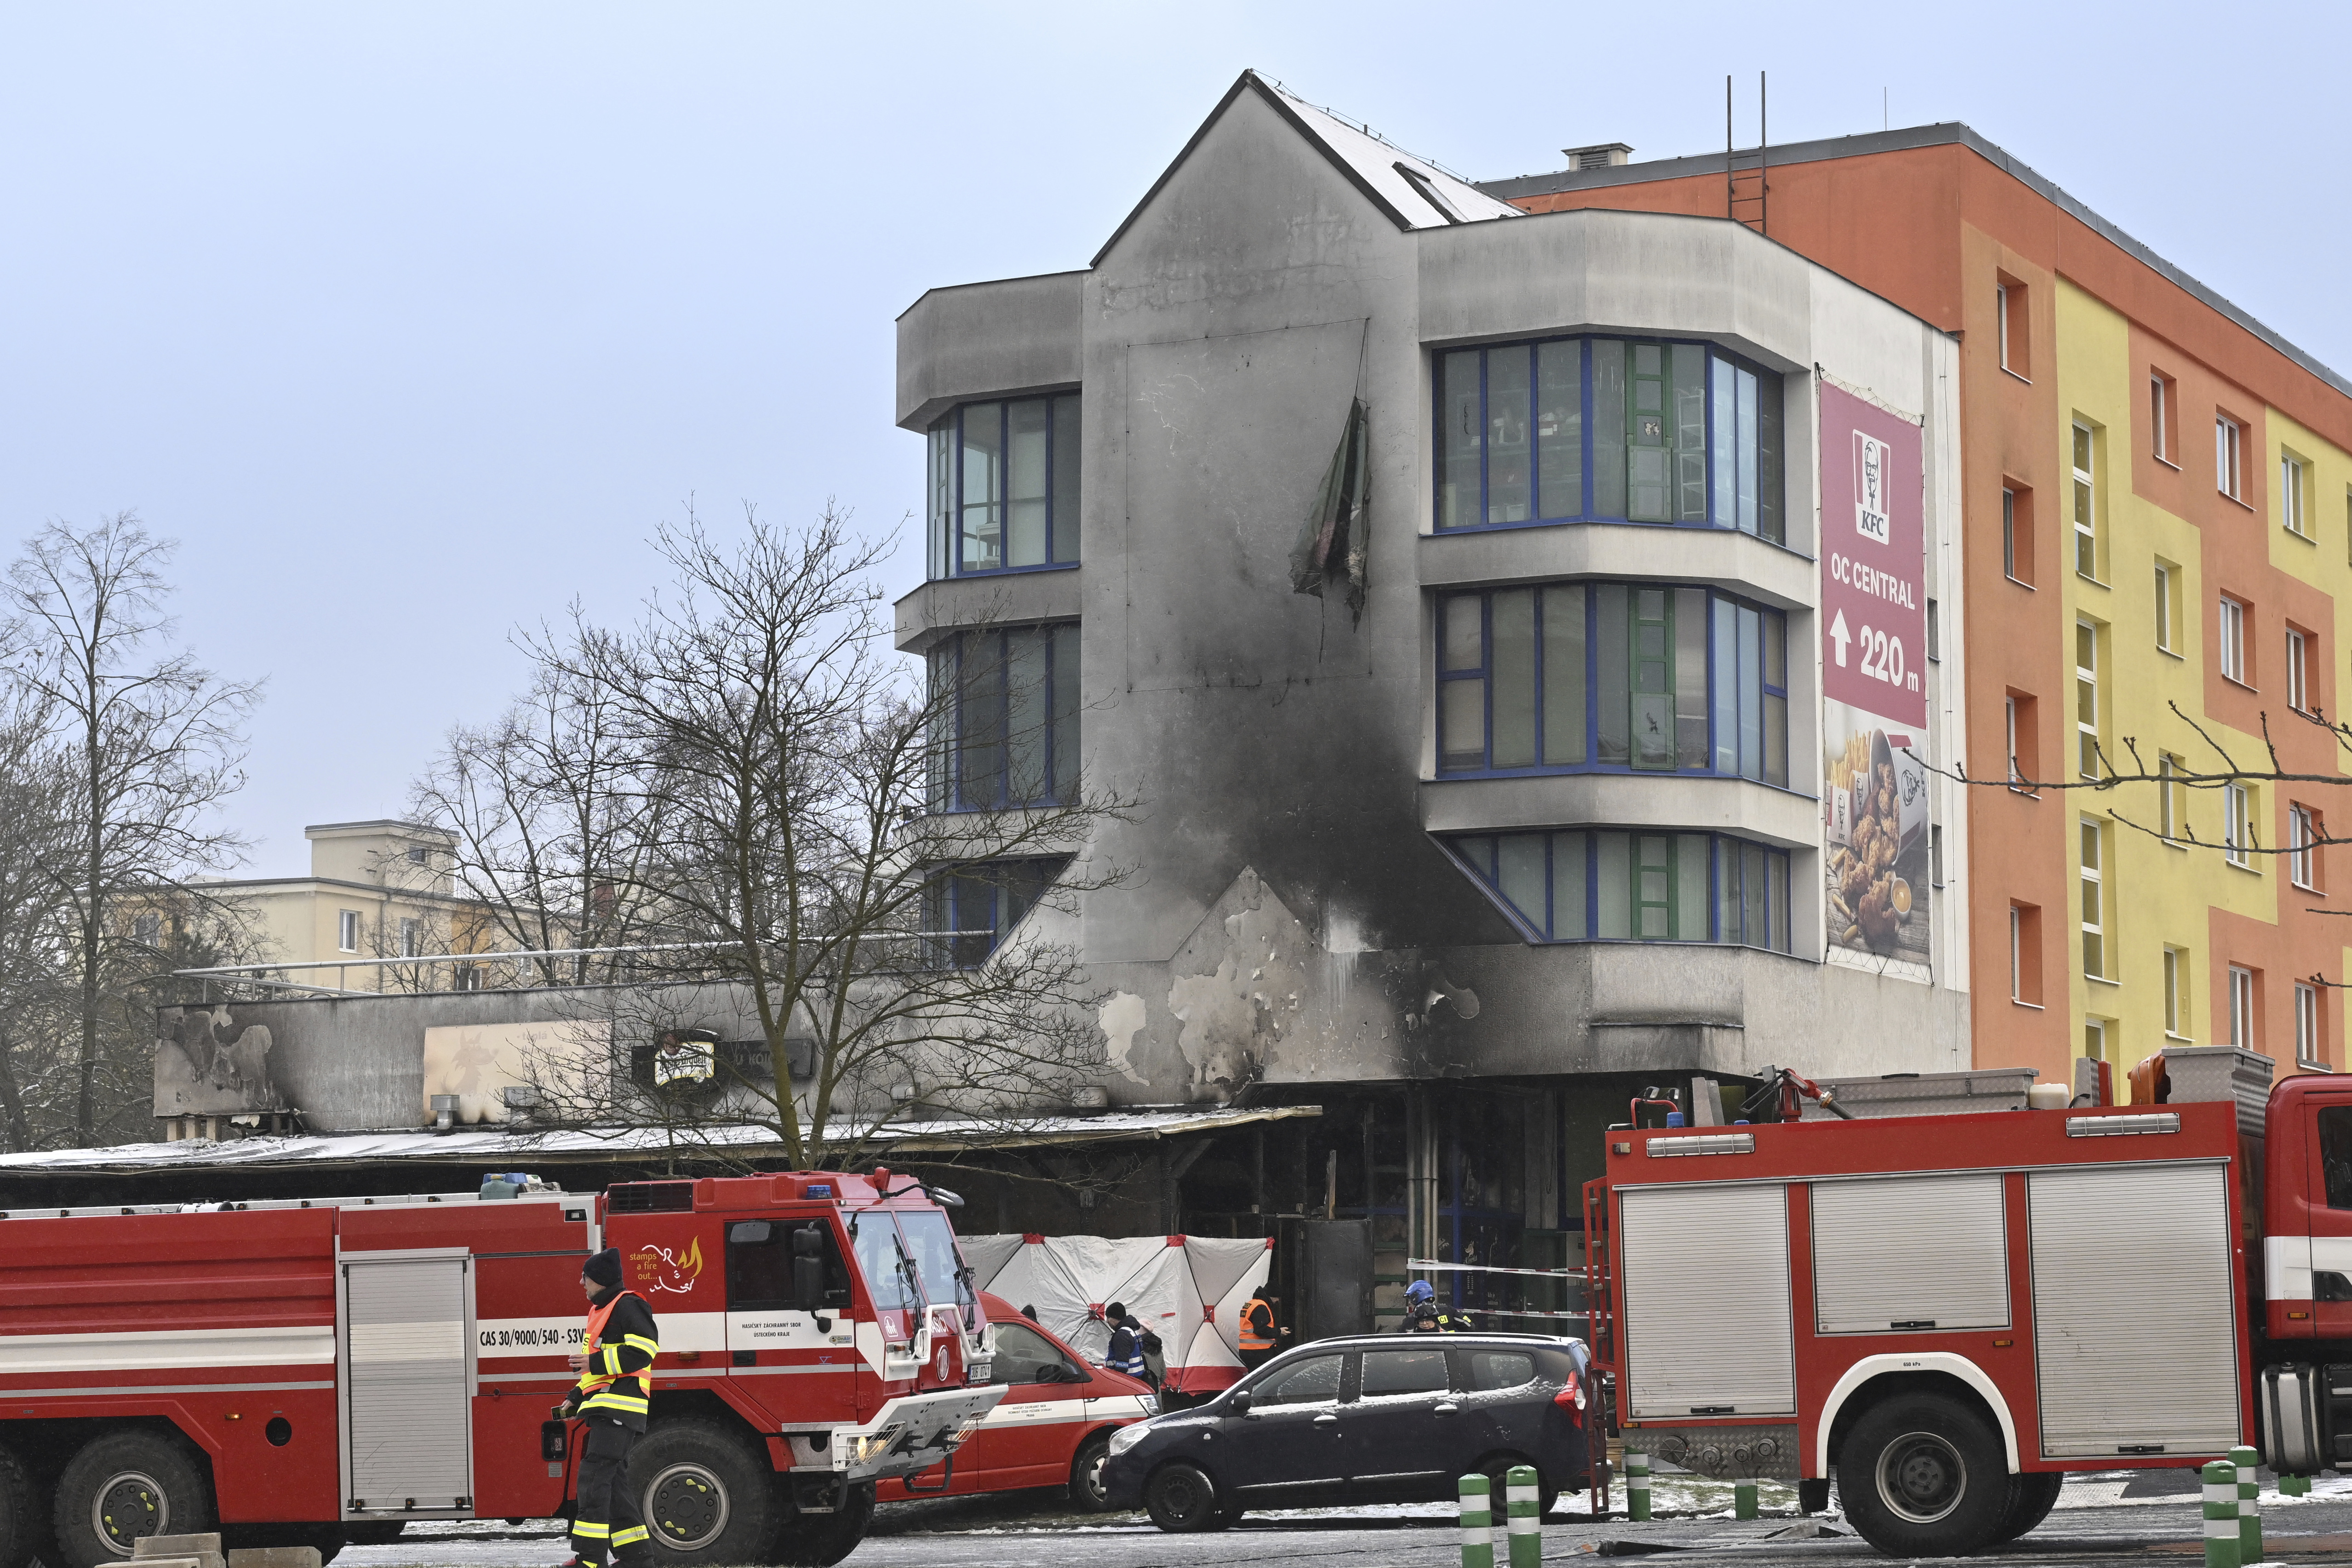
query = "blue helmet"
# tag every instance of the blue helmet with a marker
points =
(1419, 1290)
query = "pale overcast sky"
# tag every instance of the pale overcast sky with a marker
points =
(410, 321)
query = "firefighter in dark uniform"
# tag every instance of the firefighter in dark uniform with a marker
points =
(1422, 1315)
(615, 1389)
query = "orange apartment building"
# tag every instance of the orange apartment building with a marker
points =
(2124, 575)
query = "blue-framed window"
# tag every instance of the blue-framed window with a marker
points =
(1003, 486)
(1007, 703)
(1636, 884)
(1607, 429)
(970, 910)
(1576, 677)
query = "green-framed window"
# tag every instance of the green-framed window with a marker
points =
(1607, 429)
(1636, 884)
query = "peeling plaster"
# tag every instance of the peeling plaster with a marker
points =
(1238, 989)
(1121, 1019)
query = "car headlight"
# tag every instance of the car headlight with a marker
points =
(1127, 1437)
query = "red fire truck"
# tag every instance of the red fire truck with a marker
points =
(1950, 1312)
(319, 1370)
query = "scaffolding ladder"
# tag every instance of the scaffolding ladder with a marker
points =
(1746, 188)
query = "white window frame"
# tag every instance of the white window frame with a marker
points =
(2229, 444)
(2016, 954)
(2158, 405)
(2243, 1022)
(2016, 777)
(2302, 842)
(2237, 824)
(2174, 1009)
(2308, 1048)
(2008, 534)
(2000, 315)
(2167, 798)
(347, 930)
(2094, 900)
(2094, 1038)
(2164, 606)
(412, 933)
(2292, 513)
(2298, 695)
(2234, 640)
(2087, 701)
(2086, 504)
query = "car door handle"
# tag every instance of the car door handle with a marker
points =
(1446, 1409)
(1327, 1421)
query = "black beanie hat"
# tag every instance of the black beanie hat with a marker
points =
(603, 1269)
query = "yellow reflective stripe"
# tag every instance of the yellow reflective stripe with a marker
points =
(630, 1536)
(616, 1401)
(639, 1342)
(588, 1530)
(591, 1382)
(612, 1357)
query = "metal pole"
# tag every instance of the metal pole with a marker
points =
(1730, 181)
(1477, 1525)
(2250, 1512)
(1763, 157)
(2221, 1515)
(1525, 1505)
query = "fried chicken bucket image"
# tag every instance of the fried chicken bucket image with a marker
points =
(1878, 820)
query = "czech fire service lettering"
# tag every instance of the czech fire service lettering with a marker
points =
(1874, 688)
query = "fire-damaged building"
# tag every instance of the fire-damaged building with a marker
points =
(1520, 634)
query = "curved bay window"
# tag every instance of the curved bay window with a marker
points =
(1611, 885)
(1607, 429)
(1003, 486)
(1597, 677)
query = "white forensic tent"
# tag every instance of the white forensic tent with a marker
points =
(1188, 1289)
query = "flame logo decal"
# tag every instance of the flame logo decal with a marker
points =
(659, 1270)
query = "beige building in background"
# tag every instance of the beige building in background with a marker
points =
(376, 890)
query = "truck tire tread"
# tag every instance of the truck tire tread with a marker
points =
(754, 1511)
(1923, 1475)
(25, 1522)
(187, 1493)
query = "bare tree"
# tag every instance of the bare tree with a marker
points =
(151, 743)
(550, 828)
(788, 837)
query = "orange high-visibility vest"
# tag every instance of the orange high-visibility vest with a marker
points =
(1257, 1325)
(593, 1381)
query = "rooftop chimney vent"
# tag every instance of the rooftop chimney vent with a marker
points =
(1606, 155)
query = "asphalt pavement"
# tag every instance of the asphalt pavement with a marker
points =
(2115, 1521)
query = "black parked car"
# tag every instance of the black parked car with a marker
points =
(1387, 1418)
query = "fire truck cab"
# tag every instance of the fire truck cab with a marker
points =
(319, 1370)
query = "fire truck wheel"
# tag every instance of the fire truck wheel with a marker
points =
(1924, 1475)
(822, 1539)
(123, 1486)
(1087, 1494)
(23, 1516)
(1182, 1500)
(2031, 1495)
(706, 1498)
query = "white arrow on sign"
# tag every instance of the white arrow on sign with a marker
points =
(1839, 635)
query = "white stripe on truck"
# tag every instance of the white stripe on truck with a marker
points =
(143, 1350)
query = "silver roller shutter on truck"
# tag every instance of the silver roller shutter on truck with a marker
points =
(2135, 1337)
(1892, 1253)
(407, 1377)
(1706, 1276)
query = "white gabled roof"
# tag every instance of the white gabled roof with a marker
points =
(1418, 194)
(1412, 192)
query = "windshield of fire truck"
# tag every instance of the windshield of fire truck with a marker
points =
(889, 1277)
(932, 1242)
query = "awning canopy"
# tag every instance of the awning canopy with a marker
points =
(626, 1145)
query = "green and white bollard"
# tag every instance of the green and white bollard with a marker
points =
(1637, 1485)
(2294, 1486)
(2221, 1515)
(1478, 1520)
(2249, 1509)
(1743, 1500)
(1524, 1505)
